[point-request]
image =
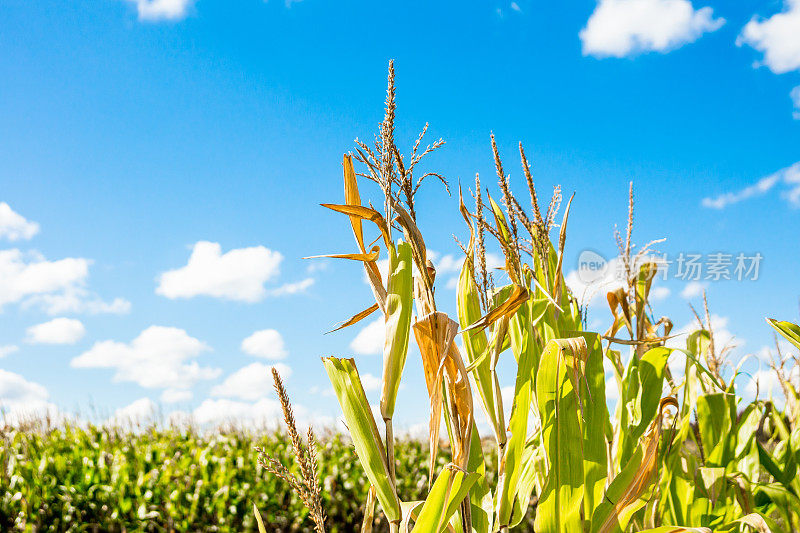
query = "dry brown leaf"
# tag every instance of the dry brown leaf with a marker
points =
(356, 318)
(647, 468)
(518, 297)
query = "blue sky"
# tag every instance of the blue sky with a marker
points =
(132, 130)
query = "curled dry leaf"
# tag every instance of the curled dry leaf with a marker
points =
(519, 295)
(442, 363)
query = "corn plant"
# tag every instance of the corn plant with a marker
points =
(559, 441)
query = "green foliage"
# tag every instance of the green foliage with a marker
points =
(101, 479)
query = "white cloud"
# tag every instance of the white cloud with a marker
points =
(141, 411)
(515, 7)
(293, 288)
(238, 274)
(659, 293)
(263, 413)
(24, 275)
(789, 176)
(693, 289)
(8, 349)
(153, 10)
(160, 357)
(176, 396)
(252, 382)
(57, 331)
(14, 226)
(795, 95)
(612, 390)
(589, 283)
(370, 382)
(370, 339)
(55, 286)
(722, 337)
(21, 399)
(778, 37)
(266, 343)
(624, 27)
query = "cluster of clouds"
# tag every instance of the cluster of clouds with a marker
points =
(159, 358)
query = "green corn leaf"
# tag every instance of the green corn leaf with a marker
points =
(641, 393)
(595, 416)
(559, 403)
(399, 301)
(526, 351)
(451, 487)
(716, 415)
(791, 332)
(366, 439)
(477, 347)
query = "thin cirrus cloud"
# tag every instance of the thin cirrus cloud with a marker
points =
(158, 10)
(795, 95)
(56, 331)
(159, 357)
(15, 227)
(266, 343)
(239, 274)
(788, 177)
(251, 382)
(619, 28)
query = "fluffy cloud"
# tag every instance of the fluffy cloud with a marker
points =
(623, 27)
(21, 399)
(264, 413)
(370, 339)
(14, 226)
(154, 10)
(251, 382)
(266, 343)
(238, 274)
(370, 382)
(778, 37)
(139, 412)
(722, 337)
(693, 289)
(587, 284)
(176, 396)
(659, 293)
(160, 357)
(789, 177)
(55, 286)
(57, 331)
(23, 275)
